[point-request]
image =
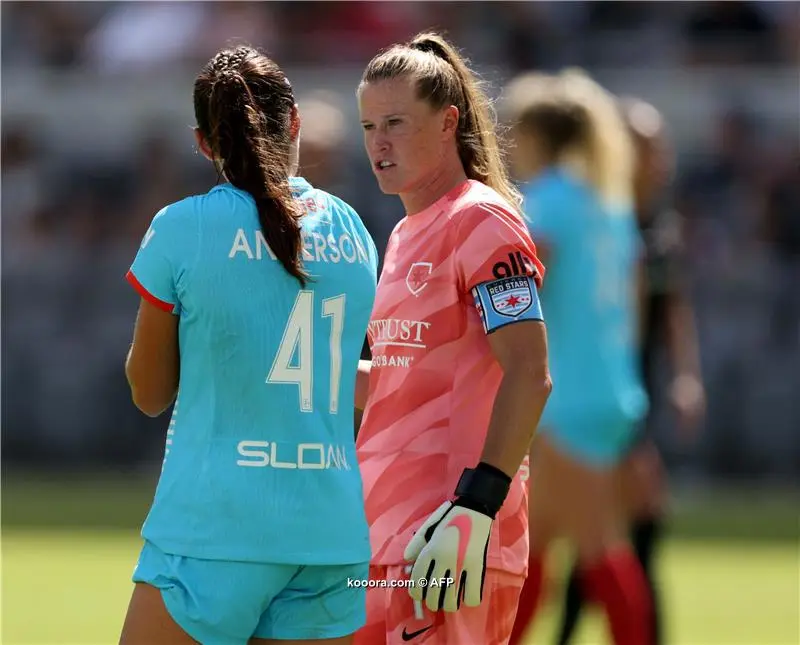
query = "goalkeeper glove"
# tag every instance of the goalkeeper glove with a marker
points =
(452, 543)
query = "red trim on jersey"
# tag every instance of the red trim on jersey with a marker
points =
(144, 293)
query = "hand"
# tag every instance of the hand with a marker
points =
(449, 551)
(688, 397)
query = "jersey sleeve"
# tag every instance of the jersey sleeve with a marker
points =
(497, 266)
(161, 263)
(372, 250)
(359, 229)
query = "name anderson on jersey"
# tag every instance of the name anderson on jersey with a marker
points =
(316, 247)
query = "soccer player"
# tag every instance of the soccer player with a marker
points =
(666, 317)
(575, 156)
(255, 303)
(459, 375)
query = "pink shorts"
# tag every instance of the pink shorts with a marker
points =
(392, 618)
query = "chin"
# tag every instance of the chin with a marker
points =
(389, 187)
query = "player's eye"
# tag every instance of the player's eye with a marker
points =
(394, 121)
(367, 126)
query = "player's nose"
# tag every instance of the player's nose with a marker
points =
(379, 142)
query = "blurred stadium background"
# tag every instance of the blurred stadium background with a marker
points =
(96, 118)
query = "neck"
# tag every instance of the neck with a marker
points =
(434, 187)
(294, 157)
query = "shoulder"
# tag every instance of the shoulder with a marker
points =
(337, 203)
(179, 211)
(314, 199)
(172, 224)
(192, 208)
(482, 206)
(342, 210)
(493, 240)
(555, 187)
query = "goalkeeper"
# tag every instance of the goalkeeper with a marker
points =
(459, 376)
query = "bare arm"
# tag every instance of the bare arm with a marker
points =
(521, 350)
(153, 363)
(687, 392)
(682, 334)
(362, 384)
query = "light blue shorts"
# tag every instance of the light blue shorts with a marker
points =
(226, 603)
(601, 445)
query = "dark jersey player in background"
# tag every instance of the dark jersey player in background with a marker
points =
(667, 321)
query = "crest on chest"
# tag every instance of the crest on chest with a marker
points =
(417, 277)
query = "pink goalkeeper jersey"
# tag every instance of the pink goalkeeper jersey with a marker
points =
(434, 378)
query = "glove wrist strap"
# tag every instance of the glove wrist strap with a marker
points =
(483, 489)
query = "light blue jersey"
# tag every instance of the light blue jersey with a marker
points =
(260, 462)
(589, 301)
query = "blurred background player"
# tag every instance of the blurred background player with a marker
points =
(574, 155)
(459, 375)
(666, 320)
(258, 519)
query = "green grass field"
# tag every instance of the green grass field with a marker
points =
(63, 584)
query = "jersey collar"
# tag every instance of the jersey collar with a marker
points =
(299, 185)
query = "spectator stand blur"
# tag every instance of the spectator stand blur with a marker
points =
(97, 121)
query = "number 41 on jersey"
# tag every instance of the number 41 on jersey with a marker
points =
(298, 337)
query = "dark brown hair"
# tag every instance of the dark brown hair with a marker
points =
(243, 104)
(443, 78)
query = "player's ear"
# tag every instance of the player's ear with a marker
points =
(450, 121)
(202, 144)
